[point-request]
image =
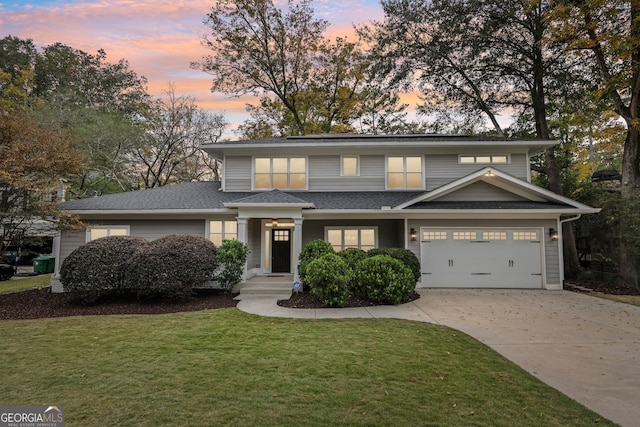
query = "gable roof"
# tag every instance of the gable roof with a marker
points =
(532, 196)
(269, 198)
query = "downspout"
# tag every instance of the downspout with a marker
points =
(560, 238)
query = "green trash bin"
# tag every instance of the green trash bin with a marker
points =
(44, 264)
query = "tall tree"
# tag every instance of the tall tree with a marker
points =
(33, 158)
(306, 83)
(176, 128)
(607, 35)
(478, 55)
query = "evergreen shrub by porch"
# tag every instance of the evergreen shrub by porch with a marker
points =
(312, 251)
(100, 267)
(384, 279)
(232, 255)
(407, 257)
(329, 277)
(353, 256)
(172, 266)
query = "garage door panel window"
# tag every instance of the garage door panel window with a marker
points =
(434, 235)
(465, 235)
(494, 235)
(525, 235)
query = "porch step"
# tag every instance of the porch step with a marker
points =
(272, 286)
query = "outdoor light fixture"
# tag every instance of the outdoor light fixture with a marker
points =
(553, 234)
(274, 222)
(489, 173)
(413, 234)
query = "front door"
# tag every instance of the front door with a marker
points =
(281, 250)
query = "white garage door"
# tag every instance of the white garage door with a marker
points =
(481, 258)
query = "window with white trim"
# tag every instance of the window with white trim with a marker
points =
(349, 166)
(286, 173)
(404, 172)
(98, 231)
(222, 230)
(342, 238)
(483, 159)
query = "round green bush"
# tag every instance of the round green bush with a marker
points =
(172, 266)
(384, 279)
(312, 251)
(232, 255)
(328, 277)
(407, 257)
(100, 267)
(353, 256)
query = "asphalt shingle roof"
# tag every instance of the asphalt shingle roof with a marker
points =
(207, 195)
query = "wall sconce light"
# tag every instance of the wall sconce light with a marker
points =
(413, 235)
(553, 234)
(274, 222)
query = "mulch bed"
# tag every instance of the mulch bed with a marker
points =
(605, 288)
(306, 300)
(40, 303)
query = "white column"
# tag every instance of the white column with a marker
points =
(297, 246)
(242, 237)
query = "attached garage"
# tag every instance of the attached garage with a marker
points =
(481, 258)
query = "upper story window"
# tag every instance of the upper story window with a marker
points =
(405, 172)
(97, 232)
(289, 173)
(483, 159)
(349, 166)
(222, 230)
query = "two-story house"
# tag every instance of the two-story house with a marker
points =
(464, 205)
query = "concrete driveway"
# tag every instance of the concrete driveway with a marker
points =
(586, 347)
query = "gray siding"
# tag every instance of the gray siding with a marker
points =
(480, 191)
(237, 173)
(551, 248)
(444, 168)
(324, 174)
(147, 229)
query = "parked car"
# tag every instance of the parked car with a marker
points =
(6, 272)
(24, 257)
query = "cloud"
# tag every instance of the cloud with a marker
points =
(159, 38)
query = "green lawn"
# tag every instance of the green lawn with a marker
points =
(627, 299)
(15, 285)
(225, 367)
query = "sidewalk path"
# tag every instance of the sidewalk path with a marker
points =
(586, 347)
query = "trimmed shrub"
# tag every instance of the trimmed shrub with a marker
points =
(353, 256)
(232, 256)
(312, 251)
(99, 267)
(384, 279)
(328, 277)
(172, 266)
(407, 257)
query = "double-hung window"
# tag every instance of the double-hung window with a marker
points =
(287, 173)
(222, 230)
(349, 166)
(405, 172)
(96, 232)
(342, 238)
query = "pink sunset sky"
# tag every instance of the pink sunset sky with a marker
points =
(158, 38)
